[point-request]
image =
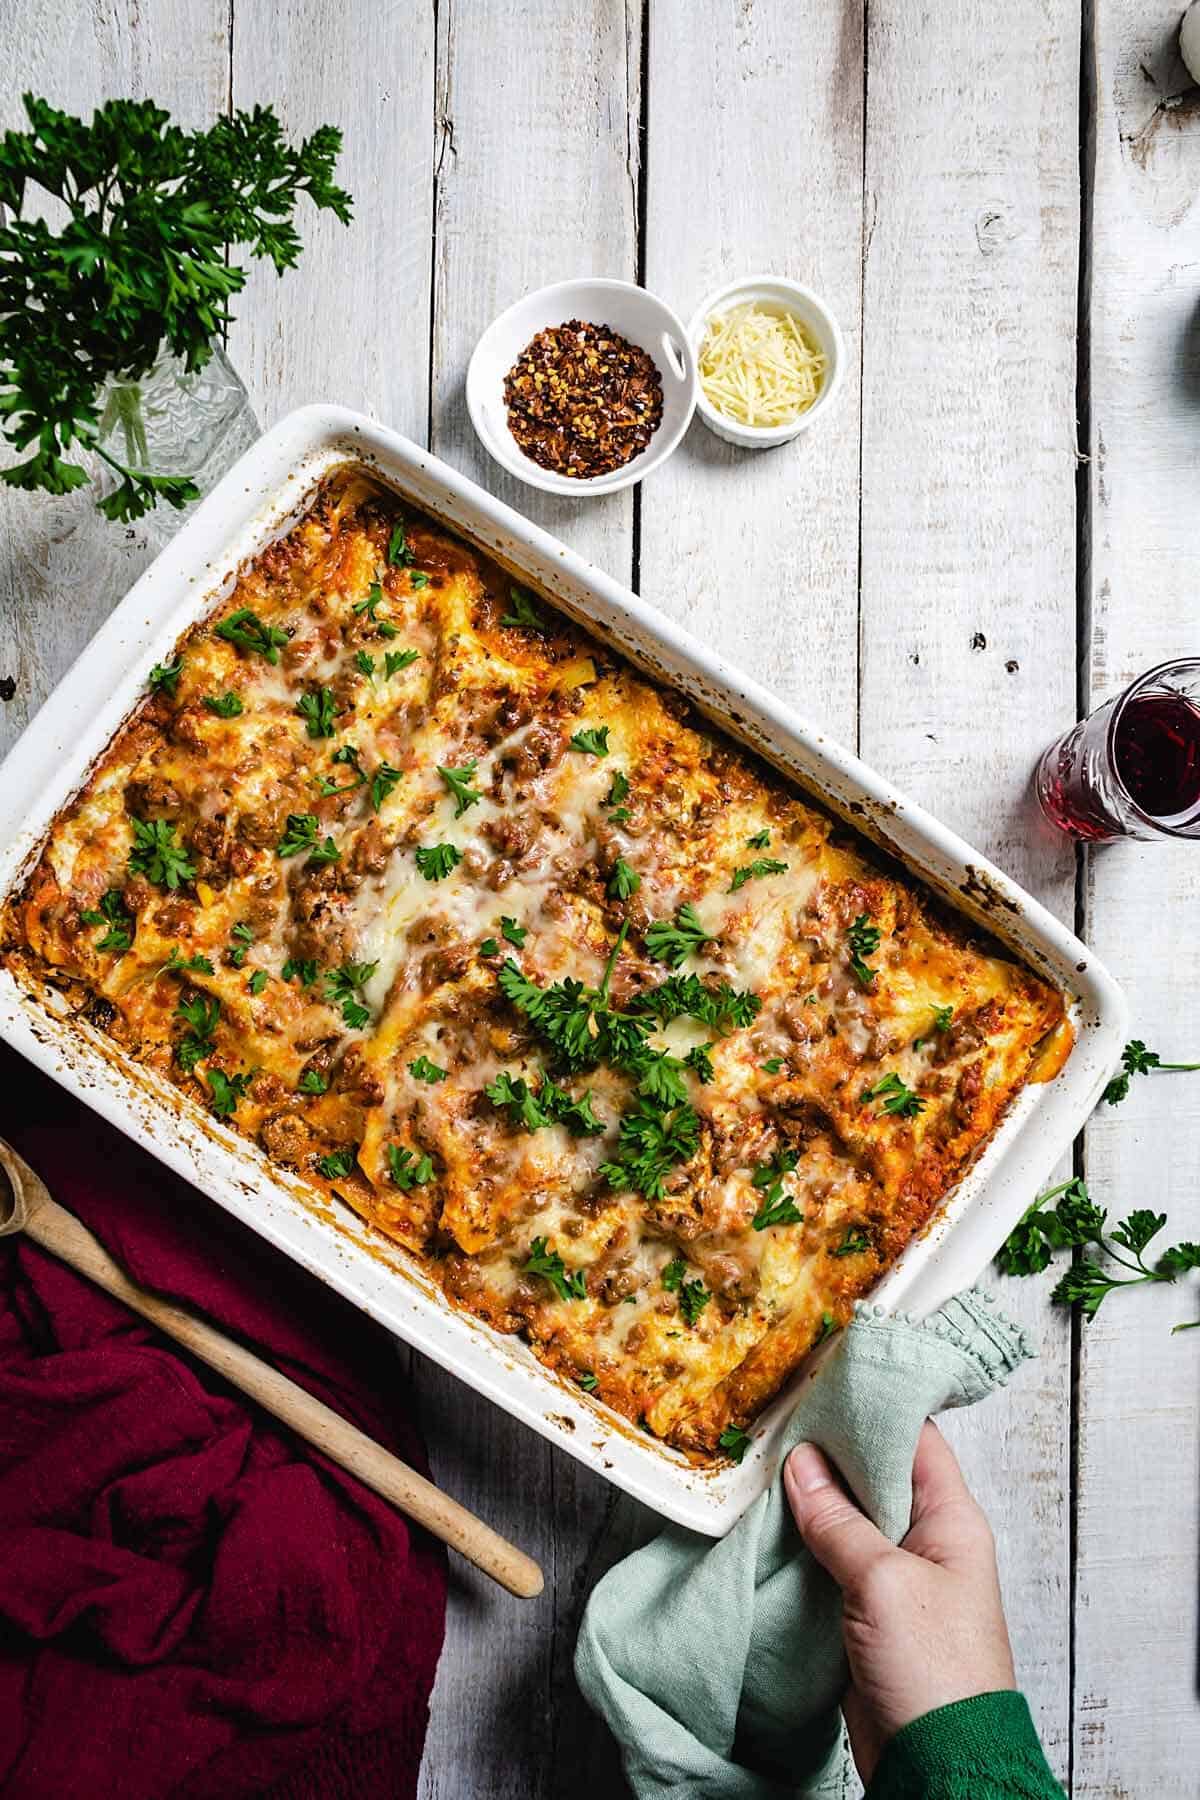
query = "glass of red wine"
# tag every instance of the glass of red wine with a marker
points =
(1133, 768)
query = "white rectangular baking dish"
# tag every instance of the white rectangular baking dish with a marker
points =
(258, 496)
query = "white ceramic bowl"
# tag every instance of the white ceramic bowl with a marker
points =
(812, 311)
(626, 309)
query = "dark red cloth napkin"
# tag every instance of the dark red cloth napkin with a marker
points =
(192, 1603)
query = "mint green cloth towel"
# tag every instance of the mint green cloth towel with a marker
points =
(718, 1666)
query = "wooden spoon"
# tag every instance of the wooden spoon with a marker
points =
(27, 1207)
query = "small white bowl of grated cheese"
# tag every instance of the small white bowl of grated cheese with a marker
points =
(769, 356)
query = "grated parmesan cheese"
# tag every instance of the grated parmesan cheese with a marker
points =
(759, 365)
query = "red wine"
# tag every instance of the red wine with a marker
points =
(1156, 750)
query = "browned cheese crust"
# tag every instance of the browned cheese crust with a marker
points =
(342, 1001)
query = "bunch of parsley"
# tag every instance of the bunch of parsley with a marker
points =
(139, 264)
(1076, 1223)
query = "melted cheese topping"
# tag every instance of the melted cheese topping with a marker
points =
(352, 1001)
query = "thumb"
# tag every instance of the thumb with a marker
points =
(840, 1536)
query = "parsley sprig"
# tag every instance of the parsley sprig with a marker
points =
(1076, 1223)
(762, 865)
(863, 939)
(549, 1105)
(343, 985)
(459, 782)
(157, 856)
(1137, 1060)
(543, 1261)
(113, 913)
(776, 1206)
(139, 259)
(898, 1098)
(673, 943)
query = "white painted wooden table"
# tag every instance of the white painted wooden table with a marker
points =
(1001, 524)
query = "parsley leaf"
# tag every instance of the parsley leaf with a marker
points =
(424, 1070)
(776, 1207)
(164, 677)
(382, 782)
(624, 882)
(337, 1163)
(735, 1442)
(549, 1265)
(459, 782)
(395, 660)
(200, 1013)
(551, 1105)
(176, 964)
(760, 841)
(374, 598)
(342, 987)
(762, 865)
(649, 1144)
(313, 1082)
(863, 938)
(246, 630)
(301, 969)
(226, 706)
(157, 856)
(258, 981)
(591, 742)
(318, 712)
(589, 1381)
(772, 1065)
(699, 1061)
(693, 1298)
(898, 1099)
(673, 1273)
(718, 1005)
(121, 924)
(299, 834)
(619, 790)
(489, 947)
(522, 616)
(227, 1090)
(516, 934)
(436, 861)
(853, 1243)
(408, 1170)
(364, 662)
(674, 943)
(398, 552)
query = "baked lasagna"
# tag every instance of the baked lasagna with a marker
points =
(466, 922)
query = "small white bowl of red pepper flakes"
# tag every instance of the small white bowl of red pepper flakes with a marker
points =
(583, 387)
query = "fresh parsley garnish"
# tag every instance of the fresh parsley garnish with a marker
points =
(719, 1006)
(164, 677)
(772, 1065)
(178, 964)
(591, 742)
(342, 988)
(568, 1285)
(853, 1243)
(898, 1099)
(760, 841)
(226, 706)
(489, 947)
(588, 1381)
(112, 912)
(374, 598)
(395, 660)
(398, 553)
(863, 938)
(258, 981)
(246, 630)
(699, 1061)
(364, 662)
(735, 1442)
(436, 861)
(157, 856)
(459, 782)
(337, 1163)
(673, 1273)
(522, 615)
(241, 938)
(318, 711)
(776, 1207)
(515, 934)
(673, 943)
(693, 1298)
(619, 790)
(828, 1327)
(301, 834)
(408, 1170)
(424, 1070)
(1076, 1223)
(762, 865)
(550, 1105)
(382, 782)
(313, 1082)
(227, 1090)
(300, 968)
(200, 1013)
(1137, 1060)
(347, 756)
(624, 882)
(649, 1144)
(150, 213)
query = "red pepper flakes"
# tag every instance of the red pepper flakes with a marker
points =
(582, 400)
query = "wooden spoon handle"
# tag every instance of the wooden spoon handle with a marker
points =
(60, 1232)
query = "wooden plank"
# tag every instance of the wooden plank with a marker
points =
(968, 620)
(1137, 1613)
(62, 566)
(536, 151)
(352, 322)
(754, 163)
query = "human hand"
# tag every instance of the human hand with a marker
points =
(923, 1622)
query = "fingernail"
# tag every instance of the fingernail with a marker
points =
(806, 1469)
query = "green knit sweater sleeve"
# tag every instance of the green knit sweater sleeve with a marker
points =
(980, 1749)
